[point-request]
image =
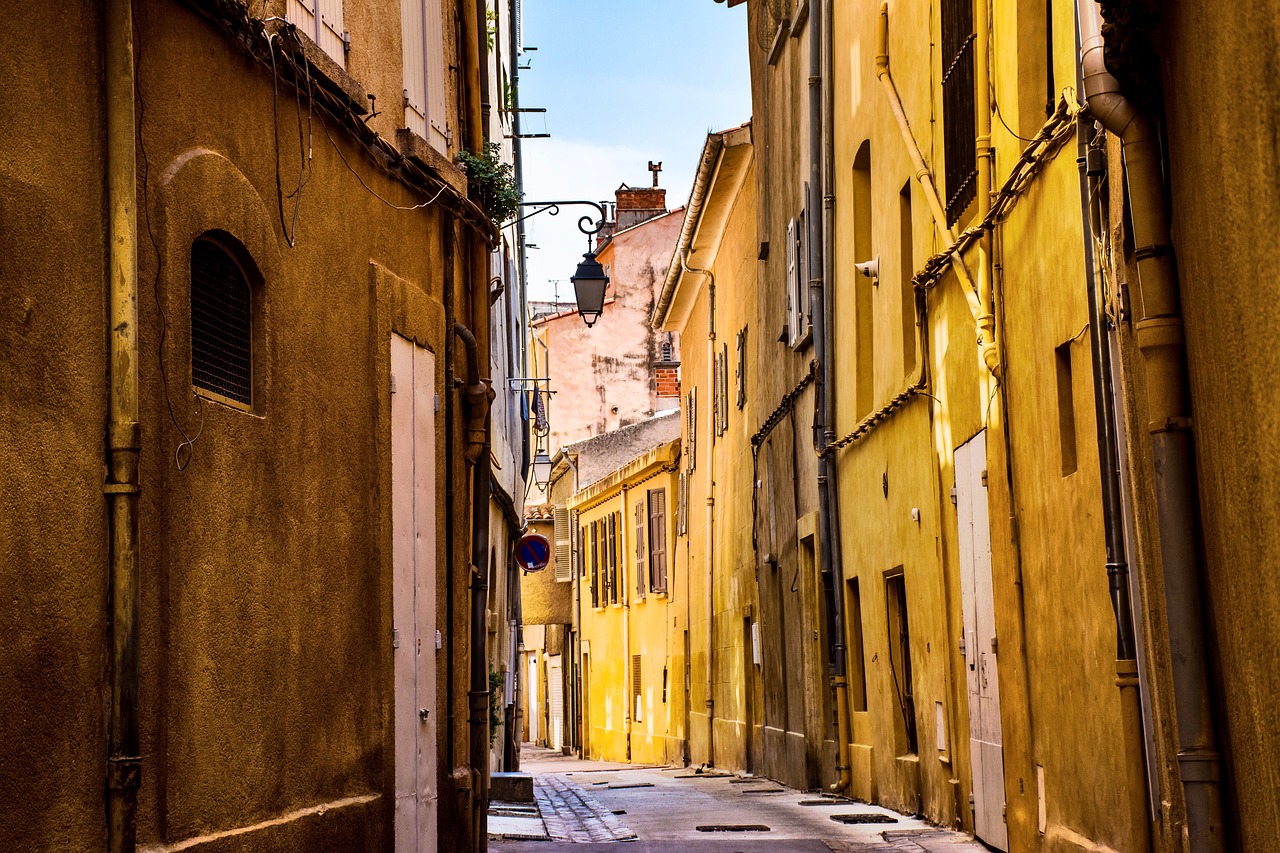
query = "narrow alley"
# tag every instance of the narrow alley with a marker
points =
(583, 806)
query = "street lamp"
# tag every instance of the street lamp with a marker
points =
(589, 283)
(541, 469)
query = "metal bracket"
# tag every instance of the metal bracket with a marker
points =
(553, 207)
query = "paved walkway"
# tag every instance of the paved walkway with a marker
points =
(593, 805)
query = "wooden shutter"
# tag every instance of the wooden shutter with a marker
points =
(563, 545)
(575, 543)
(437, 115)
(595, 566)
(658, 540)
(302, 14)
(959, 119)
(740, 369)
(793, 310)
(691, 428)
(413, 43)
(637, 701)
(682, 506)
(613, 559)
(329, 32)
(640, 548)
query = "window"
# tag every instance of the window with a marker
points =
(657, 500)
(636, 688)
(641, 546)
(1066, 408)
(422, 38)
(863, 289)
(959, 123)
(563, 546)
(906, 270)
(856, 663)
(221, 326)
(594, 544)
(321, 21)
(895, 600)
(798, 327)
(721, 414)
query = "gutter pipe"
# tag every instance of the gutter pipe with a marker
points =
(692, 219)
(821, 310)
(477, 396)
(924, 175)
(986, 165)
(711, 485)
(124, 435)
(1159, 331)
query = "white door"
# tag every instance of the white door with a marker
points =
(555, 702)
(978, 606)
(535, 712)
(413, 522)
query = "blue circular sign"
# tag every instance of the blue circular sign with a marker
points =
(533, 552)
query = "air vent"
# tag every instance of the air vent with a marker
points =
(221, 352)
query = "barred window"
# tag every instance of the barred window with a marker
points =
(958, 118)
(221, 325)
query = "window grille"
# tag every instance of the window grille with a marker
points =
(959, 122)
(221, 325)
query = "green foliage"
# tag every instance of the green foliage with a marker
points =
(492, 183)
(495, 705)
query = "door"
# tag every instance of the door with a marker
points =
(978, 615)
(535, 711)
(555, 702)
(413, 533)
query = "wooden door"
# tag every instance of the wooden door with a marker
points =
(413, 530)
(978, 615)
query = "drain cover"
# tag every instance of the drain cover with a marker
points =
(763, 791)
(734, 827)
(863, 817)
(824, 802)
(625, 786)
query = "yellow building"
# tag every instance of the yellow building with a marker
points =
(633, 702)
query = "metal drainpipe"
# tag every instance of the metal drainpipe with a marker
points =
(477, 395)
(986, 165)
(628, 675)
(711, 506)
(820, 305)
(1112, 518)
(1159, 332)
(124, 439)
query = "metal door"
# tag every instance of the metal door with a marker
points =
(413, 523)
(555, 702)
(978, 616)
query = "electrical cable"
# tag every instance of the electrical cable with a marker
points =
(188, 441)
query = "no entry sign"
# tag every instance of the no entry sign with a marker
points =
(533, 552)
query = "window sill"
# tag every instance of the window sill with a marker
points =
(420, 151)
(324, 69)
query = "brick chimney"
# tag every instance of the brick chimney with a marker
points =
(639, 205)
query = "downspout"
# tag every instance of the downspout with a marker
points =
(628, 675)
(482, 64)
(472, 39)
(1159, 333)
(1112, 513)
(986, 165)
(924, 175)
(477, 396)
(711, 503)
(820, 310)
(124, 439)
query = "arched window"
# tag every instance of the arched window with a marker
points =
(221, 325)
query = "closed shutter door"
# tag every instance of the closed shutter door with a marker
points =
(413, 36)
(329, 33)
(564, 548)
(658, 540)
(640, 546)
(555, 702)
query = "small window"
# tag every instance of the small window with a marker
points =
(221, 326)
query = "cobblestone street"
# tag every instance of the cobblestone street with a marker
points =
(595, 805)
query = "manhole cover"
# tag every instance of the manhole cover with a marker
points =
(863, 817)
(734, 827)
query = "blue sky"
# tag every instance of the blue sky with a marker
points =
(624, 82)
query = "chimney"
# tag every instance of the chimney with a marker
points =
(639, 205)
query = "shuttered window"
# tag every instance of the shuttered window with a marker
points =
(690, 429)
(613, 558)
(682, 506)
(637, 701)
(641, 540)
(422, 40)
(594, 545)
(563, 544)
(799, 331)
(958, 118)
(657, 540)
(740, 369)
(321, 21)
(575, 544)
(221, 326)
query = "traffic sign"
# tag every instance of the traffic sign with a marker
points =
(533, 552)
